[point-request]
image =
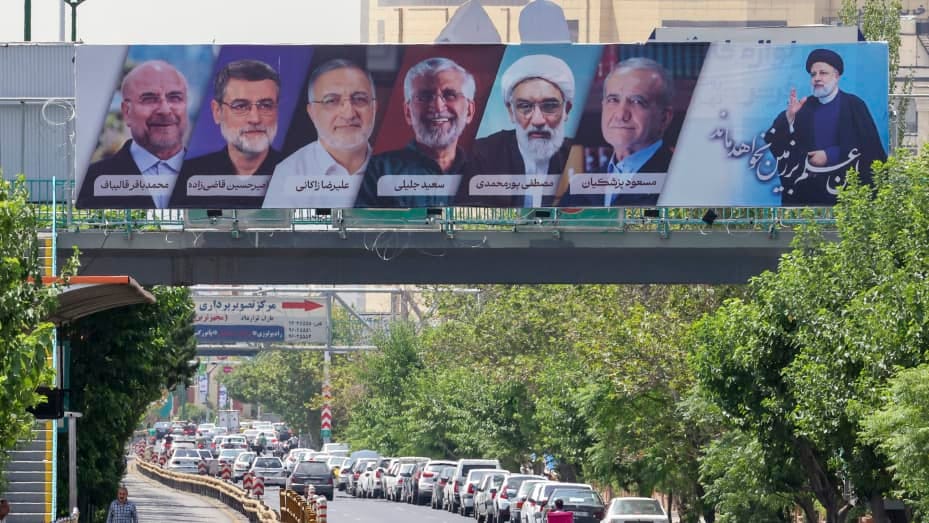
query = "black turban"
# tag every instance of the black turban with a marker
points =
(826, 56)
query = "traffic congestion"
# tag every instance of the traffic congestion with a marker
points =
(261, 455)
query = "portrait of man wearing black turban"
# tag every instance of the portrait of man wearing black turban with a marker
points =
(819, 137)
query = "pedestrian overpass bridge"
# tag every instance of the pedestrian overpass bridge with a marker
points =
(430, 246)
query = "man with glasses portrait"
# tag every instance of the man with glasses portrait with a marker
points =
(154, 109)
(329, 171)
(638, 94)
(438, 105)
(538, 93)
(245, 107)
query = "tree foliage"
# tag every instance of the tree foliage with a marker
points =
(122, 360)
(589, 374)
(287, 382)
(26, 337)
(900, 431)
(799, 363)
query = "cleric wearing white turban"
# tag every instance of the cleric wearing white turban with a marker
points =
(538, 93)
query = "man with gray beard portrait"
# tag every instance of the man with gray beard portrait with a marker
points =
(245, 107)
(538, 91)
(438, 105)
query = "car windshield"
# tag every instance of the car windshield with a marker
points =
(468, 468)
(576, 497)
(270, 463)
(186, 453)
(406, 468)
(475, 476)
(246, 457)
(527, 487)
(316, 468)
(636, 506)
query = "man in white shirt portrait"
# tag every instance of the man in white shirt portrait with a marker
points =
(328, 172)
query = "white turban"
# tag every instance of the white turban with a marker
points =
(543, 66)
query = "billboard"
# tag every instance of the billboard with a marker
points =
(237, 319)
(534, 125)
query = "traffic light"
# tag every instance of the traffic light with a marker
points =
(52, 408)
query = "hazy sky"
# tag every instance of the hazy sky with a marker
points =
(189, 21)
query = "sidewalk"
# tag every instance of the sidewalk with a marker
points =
(158, 503)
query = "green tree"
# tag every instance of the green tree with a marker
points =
(879, 21)
(801, 361)
(590, 374)
(900, 430)
(287, 382)
(122, 360)
(26, 337)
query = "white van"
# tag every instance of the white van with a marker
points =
(459, 499)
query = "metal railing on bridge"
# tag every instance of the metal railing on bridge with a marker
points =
(52, 199)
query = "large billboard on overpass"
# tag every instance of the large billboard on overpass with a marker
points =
(533, 125)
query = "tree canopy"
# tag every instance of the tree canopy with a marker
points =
(26, 337)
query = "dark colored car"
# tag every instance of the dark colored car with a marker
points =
(585, 504)
(314, 473)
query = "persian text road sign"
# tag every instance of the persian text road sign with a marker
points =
(237, 319)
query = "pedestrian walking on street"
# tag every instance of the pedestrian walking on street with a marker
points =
(121, 509)
(4, 509)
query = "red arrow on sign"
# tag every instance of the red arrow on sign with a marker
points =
(305, 305)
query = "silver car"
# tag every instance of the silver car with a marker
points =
(427, 479)
(468, 489)
(271, 469)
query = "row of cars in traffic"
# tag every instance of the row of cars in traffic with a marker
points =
(275, 438)
(481, 489)
(295, 470)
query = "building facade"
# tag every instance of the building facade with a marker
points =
(420, 21)
(626, 21)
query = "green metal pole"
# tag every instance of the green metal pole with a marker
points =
(73, 20)
(27, 21)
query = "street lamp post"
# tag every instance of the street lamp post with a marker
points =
(73, 4)
(27, 20)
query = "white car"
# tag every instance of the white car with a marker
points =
(206, 429)
(293, 457)
(243, 462)
(534, 507)
(428, 478)
(186, 465)
(270, 469)
(623, 510)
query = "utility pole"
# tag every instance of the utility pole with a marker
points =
(326, 414)
(72, 458)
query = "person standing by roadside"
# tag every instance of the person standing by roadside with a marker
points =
(121, 509)
(4, 509)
